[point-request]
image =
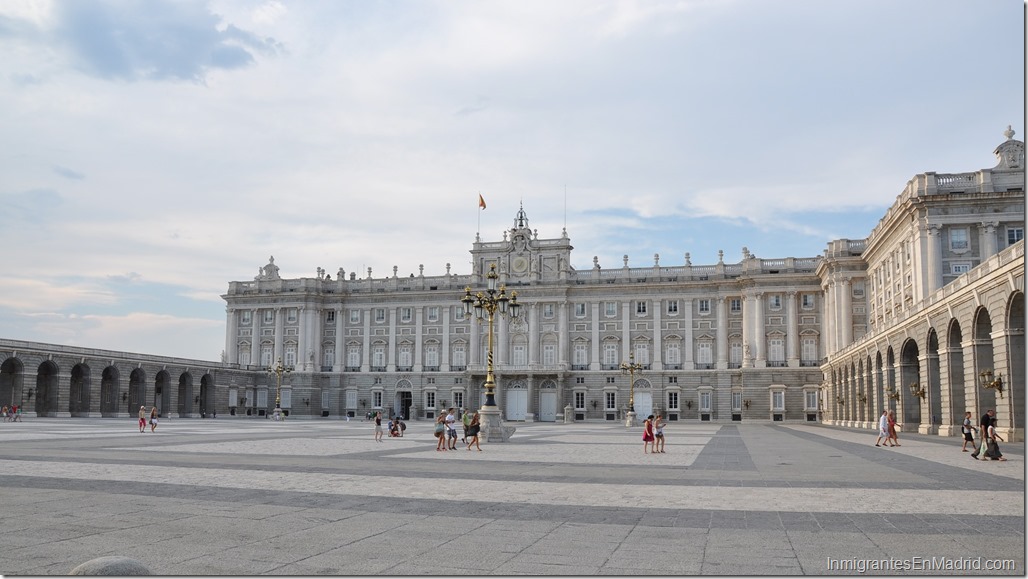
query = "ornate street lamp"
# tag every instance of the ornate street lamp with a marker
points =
(630, 368)
(484, 306)
(277, 371)
(987, 381)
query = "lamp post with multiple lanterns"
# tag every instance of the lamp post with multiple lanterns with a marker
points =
(484, 306)
(277, 371)
(630, 368)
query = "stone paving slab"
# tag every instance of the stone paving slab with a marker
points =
(249, 497)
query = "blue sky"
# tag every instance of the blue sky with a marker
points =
(154, 151)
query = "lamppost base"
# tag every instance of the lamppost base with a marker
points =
(630, 419)
(277, 415)
(492, 428)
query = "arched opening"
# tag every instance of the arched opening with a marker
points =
(47, 388)
(162, 392)
(983, 355)
(207, 396)
(910, 373)
(934, 383)
(109, 392)
(1016, 363)
(955, 386)
(79, 394)
(185, 395)
(137, 389)
(12, 377)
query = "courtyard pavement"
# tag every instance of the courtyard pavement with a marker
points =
(244, 496)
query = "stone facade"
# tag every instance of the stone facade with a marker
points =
(833, 337)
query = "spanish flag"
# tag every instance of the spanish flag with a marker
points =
(481, 202)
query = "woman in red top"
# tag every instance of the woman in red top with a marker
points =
(648, 434)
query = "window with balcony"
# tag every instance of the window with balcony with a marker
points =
(958, 239)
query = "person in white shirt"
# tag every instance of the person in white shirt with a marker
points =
(883, 428)
(451, 429)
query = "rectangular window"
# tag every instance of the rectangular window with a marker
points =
(704, 401)
(351, 398)
(810, 399)
(330, 316)
(579, 400)
(674, 353)
(245, 317)
(430, 399)
(355, 316)
(672, 379)
(737, 401)
(958, 239)
(775, 302)
(1014, 234)
(458, 314)
(549, 354)
(735, 353)
(378, 356)
(519, 355)
(329, 356)
(642, 353)
(735, 305)
(432, 356)
(672, 307)
(406, 314)
(808, 350)
(672, 400)
(703, 306)
(703, 353)
(778, 400)
(380, 315)
(291, 315)
(459, 357)
(547, 310)
(376, 399)
(611, 400)
(776, 350)
(808, 301)
(404, 359)
(640, 308)
(269, 316)
(610, 309)
(353, 357)
(581, 355)
(458, 399)
(579, 310)
(959, 268)
(266, 354)
(610, 354)
(433, 314)
(290, 355)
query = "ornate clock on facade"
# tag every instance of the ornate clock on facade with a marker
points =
(519, 264)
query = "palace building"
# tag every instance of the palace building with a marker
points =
(925, 316)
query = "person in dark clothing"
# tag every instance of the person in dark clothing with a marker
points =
(983, 424)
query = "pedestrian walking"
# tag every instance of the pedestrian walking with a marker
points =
(892, 429)
(378, 426)
(647, 433)
(142, 419)
(466, 419)
(983, 430)
(440, 432)
(451, 428)
(883, 429)
(993, 452)
(968, 431)
(473, 428)
(153, 419)
(658, 433)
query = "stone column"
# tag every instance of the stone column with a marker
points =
(391, 343)
(232, 337)
(533, 335)
(722, 333)
(340, 361)
(596, 356)
(655, 356)
(255, 338)
(279, 332)
(759, 332)
(366, 348)
(687, 341)
(792, 339)
(419, 338)
(933, 274)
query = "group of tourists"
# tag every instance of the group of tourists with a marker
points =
(143, 419)
(987, 446)
(11, 413)
(446, 429)
(653, 434)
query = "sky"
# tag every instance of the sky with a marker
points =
(154, 151)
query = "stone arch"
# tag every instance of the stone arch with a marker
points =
(47, 389)
(110, 392)
(954, 386)
(162, 393)
(12, 380)
(909, 373)
(983, 356)
(79, 399)
(185, 395)
(932, 383)
(137, 389)
(1015, 322)
(207, 396)
(879, 378)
